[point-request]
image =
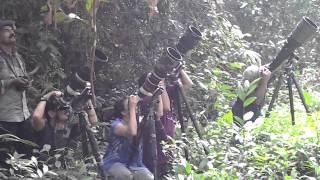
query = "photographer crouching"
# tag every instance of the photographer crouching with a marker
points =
(250, 74)
(50, 121)
(118, 162)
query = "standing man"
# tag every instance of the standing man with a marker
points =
(13, 84)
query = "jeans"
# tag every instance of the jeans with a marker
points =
(119, 171)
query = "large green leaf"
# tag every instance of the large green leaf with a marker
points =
(9, 137)
(89, 5)
(249, 101)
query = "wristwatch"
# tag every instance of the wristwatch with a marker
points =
(43, 99)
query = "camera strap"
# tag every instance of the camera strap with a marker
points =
(11, 63)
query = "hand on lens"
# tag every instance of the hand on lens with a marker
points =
(161, 84)
(265, 73)
(133, 101)
(53, 93)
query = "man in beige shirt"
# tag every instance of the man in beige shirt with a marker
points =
(13, 84)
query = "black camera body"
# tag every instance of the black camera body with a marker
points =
(58, 103)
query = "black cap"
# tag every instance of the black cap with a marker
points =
(6, 23)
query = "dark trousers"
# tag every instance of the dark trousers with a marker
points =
(22, 130)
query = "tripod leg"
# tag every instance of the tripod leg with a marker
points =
(303, 100)
(93, 142)
(84, 138)
(274, 95)
(152, 126)
(289, 83)
(194, 122)
(180, 118)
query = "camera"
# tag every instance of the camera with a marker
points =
(81, 73)
(58, 104)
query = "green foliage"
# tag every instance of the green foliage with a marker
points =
(268, 151)
(5, 138)
(89, 5)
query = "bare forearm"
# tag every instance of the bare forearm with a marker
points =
(185, 80)
(92, 114)
(38, 118)
(165, 101)
(261, 92)
(92, 117)
(132, 124)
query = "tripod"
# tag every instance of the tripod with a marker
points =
(290, 77)
(87, 135)
(181, 98)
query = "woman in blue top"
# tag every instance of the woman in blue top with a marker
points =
(117, 161)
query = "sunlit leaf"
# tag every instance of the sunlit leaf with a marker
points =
(60, 17)
(249, 101)
(188, 168)
(236, 65)
(39, 172)
(89, 5)
(248, 115)
(45, 169)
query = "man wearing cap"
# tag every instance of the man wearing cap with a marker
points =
(51, 121)
(13, 84)
(252, 73)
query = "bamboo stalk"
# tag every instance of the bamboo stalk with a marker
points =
(93, 48)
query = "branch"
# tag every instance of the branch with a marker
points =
(93, 48)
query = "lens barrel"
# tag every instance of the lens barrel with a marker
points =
(189, 40)
(301, 34)
(170, 59)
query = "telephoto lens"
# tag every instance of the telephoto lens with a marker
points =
(189, 40)
(170, 59)
(301, 34)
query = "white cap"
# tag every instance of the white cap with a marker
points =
(251, 73)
